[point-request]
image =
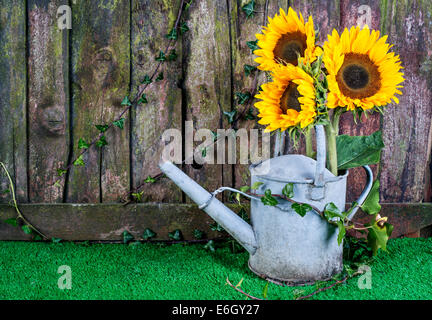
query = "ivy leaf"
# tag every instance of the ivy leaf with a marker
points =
(160, 77)
(342, 231)
(216, 227)
(127, 237)
(378, 236)
(79, 161)
(56, 240)
(288, 190)
(148, 234)
(150, 179)
(253, 45)
(126, 101)
(198, 234)
(256, 185)
(268, 199)
(161, 57)
(331, 211)
(82, 144)
(301, 208)
(172, 55)
(248, 69)
(242, 98)
(230, 115)
(147, 79)
(210, 246)
(11, 221)
(356, 151)
(119, 123)
(249, 115)
(138, 196)
(249, 9)
(102, 127)
(175, 235)
(101, 142)
(172, 35)
(204, 152)
(61, 172)
(371, 204)
(184, 28)
(26, 229)
(143, 99)
(6, 191)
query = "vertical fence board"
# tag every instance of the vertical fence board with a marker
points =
(151, 21)
(101, 72)
(353, 13)
(13, 126)
(48, 100)
(407, 126)
(244, 29)
(207, 82)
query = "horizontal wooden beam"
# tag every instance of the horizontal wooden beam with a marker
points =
(106, 222)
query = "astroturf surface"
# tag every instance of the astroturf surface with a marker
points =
(154, 271)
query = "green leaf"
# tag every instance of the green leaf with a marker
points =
(242, 98)
(371, 204)
(126, 101)
(102, 127)
(353, 151)
(26, 229)
(11, 221)
(244, 189)
(79, 161)
(61, 172)
(268, 199)
(101, 142)
(210, 246)
(138, 196)
(198, 234)
(301, 208)
(249, 8)
(204, 152)
(161, 57)
(160, 77)
(378, 236)
(184, 28)
(175, 235)
(230, 115)
(119, 123)
(288, 190)
(148, 234)
(56, 240)
(150, 179)
(331, 211)
(249, 115)
(82, 144)
(248, 69)
(147, 79)
(256, 185)
(172, 35)
(6, 191)
(342, 231)
(143, 99)
(216, 227)
(253, 45)
(127, 236)
(172, 55)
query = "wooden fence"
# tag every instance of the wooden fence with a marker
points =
(55, 85)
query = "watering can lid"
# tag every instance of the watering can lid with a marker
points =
(289, 168)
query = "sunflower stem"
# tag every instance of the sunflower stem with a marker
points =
(309, 146)
(332, 131)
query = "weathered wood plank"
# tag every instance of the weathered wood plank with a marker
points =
(151, 21)
(407, 126)
(101, 71)
(106, 222)
(48, 65)
(13, 123)
(243, 29)
(207, 80)
(353, 13)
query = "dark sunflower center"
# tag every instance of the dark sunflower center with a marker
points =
(358, 77)
(289, 46)
(289, 99)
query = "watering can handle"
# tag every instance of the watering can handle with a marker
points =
(365, 192)
(321, 156)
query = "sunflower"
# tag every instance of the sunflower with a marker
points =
(284, 38)
(288, 100)
(361, 70)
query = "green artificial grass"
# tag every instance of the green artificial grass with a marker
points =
(186, 271)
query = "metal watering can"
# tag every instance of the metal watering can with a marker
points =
(284, 247)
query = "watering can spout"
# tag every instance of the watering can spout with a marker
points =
(231, 222)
